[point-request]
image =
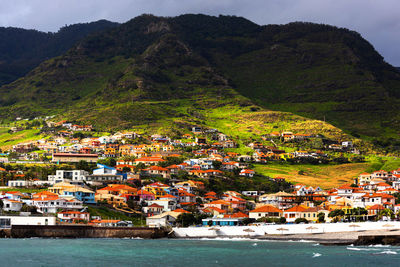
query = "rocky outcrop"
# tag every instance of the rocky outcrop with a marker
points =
(393, 240)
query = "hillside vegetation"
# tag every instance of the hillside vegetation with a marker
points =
(167, 74)
(21, 50)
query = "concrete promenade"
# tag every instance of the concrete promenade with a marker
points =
(324, 232)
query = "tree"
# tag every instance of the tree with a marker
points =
(321, 217)
(186, 219)
(388, 213)
(82, 165)
(108, 161)
(336, 214)
(28, 208)
(300, 220)
(217, 164)
(126, 169)
(140, 166)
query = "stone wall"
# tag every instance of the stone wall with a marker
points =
(84, 231)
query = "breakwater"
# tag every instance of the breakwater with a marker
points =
(366, 240)
(84, 231)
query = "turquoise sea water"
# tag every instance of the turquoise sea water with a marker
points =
(172, 252)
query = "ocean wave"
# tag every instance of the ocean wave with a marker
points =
(248, 239)
(379, 246)
(226, 239)
(300, 241)
(353, 248)
(388, 252)
(315, 255)
(375, 249)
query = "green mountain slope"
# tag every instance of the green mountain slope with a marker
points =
(21, 50)
(318, 71)
(202, 70)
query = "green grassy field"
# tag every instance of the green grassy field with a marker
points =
(7, 140)
(326, 176)
(108, 214)
(22, 190)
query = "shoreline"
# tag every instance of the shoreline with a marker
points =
(373, 237)
(327, 234)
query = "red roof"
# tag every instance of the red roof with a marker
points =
(156, 168)
(296, 209)
(155, 205)
(144, 192)
(181, 210)
(73, 212)
(149, 159)
(376, 207)
(108, 188)
(223, 202)
(267, 208)
(210, 209)
(158, 184)
(247, 171)
(185, 193)
(346, 187)
(236, 215)
(74, 155)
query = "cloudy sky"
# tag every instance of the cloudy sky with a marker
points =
(377, 20)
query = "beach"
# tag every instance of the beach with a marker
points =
(334, 233)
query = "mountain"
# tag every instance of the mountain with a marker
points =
(218, 71)
(21, 50)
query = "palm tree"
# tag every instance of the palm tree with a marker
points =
(385, 212)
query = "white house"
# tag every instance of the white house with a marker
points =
(52, 204)
(8, 220)
(19, 183)
(12, 205)
(247, 173)
(69, 175)
(163, 219)
(106, 139)
(72, 216)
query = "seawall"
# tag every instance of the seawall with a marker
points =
(84, 231)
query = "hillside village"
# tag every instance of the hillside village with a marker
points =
(200, 177)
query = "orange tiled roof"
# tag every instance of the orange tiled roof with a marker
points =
(267, 208)
(181, 210)
(296, 209)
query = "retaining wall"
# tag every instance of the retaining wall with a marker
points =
(78, 231)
